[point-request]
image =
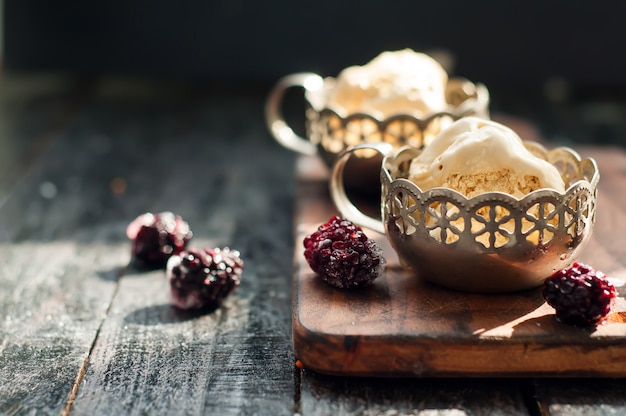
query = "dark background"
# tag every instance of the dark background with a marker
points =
(495, 42)
(527, 52)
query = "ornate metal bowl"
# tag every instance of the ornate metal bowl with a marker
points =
(330, 131)
(490, 243)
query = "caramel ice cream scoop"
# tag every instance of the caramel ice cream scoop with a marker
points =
(395, 82)
(474, 156)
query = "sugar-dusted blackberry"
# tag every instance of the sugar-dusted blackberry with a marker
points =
(581, 295)
(343, 256)
(203, 278)
(156, 237)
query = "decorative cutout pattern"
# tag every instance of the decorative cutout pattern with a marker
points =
(494, 221)
(333, 133)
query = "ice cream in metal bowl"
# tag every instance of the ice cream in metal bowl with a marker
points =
(480, 210)
(400, 97)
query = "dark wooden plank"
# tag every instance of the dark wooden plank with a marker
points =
(139, 147)
(215, 165)
(332, 395)
(582, 397)
(34, 109)
(56, 278)
(133, 150)
(53, 299)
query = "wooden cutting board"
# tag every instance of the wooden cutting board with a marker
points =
(406, 327)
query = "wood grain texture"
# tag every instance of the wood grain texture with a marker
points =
(234, 188)
(52, 304)
(34, 109)
(68, 315)
(582, 397)
(337, 395)
(55, 282)
(83, 333)
(404, 326)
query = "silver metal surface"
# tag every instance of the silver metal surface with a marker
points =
(490, 243)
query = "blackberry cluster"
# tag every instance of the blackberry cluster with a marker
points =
(342, 255)
(157, 237)
(202, 279)
(581, 295)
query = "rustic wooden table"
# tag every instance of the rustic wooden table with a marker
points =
(83, 333)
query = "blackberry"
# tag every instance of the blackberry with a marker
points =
(580, 295)
(202, 279)
(156, 237)
(342, 255)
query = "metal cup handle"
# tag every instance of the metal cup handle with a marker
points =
(338, 191)
(273, 111)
